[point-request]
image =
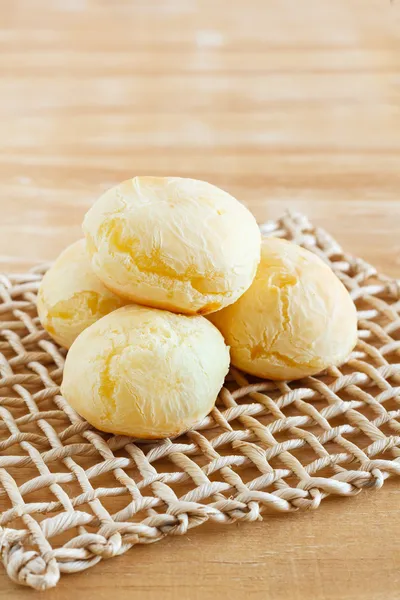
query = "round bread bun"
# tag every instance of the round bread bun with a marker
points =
(296, 319)
(178, 244)
(146, 373)
(71, 297)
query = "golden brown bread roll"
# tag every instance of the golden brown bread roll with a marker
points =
(172, 243)
(71, 297)
(145, 372)
(296, 318)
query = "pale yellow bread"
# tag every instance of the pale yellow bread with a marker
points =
(296, 319)
(145, 372)
(71, 297)
(179, 244)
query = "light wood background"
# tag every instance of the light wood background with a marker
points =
(286, 104)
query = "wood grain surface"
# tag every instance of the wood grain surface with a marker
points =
(286, 104)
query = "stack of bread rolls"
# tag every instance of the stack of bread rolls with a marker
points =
(170, 284)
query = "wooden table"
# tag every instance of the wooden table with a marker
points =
(286, 104)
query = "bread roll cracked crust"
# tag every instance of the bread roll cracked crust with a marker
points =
(71, 297)
(178, 244)
(296, 319)
(146, 373)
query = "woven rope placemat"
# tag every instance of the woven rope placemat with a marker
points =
(70, 495)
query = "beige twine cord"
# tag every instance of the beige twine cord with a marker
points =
(266, 445)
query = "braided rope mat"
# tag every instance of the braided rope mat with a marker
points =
(70, 495)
